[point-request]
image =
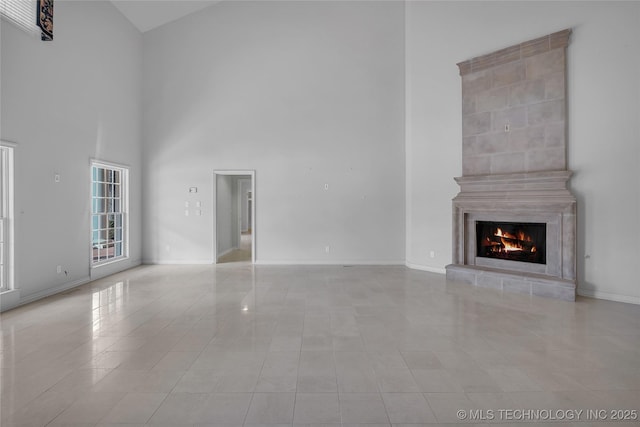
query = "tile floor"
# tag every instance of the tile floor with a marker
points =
(377, 346)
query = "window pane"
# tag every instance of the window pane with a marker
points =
(107, 221)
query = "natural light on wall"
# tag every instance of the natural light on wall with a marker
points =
(22, 13)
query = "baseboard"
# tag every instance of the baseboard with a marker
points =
(590, 293)
(9, 299)
(52, 291)
(105, 270)
(177, 262)
(425, 268)
(329, 263)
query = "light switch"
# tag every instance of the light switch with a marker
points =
(198, 212)
(186, 212)
(198, 204)
(186, 204)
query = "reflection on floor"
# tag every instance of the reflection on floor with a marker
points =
(242, 254)
(322, 345)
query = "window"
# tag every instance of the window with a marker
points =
(22, 13)
(6, 217)
(109, 220)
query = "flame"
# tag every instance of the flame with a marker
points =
(513, 242)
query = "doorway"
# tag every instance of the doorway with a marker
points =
(234, 213)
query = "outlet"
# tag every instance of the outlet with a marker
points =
(326, 186)
(432, 254)
(59, 269)
(186, 212)
(56, 177)
(327, 249)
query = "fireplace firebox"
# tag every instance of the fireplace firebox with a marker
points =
(524, 242)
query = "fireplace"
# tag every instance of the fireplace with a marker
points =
(514, 219)
(525, 242)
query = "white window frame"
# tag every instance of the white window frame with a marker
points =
(124, 211)
(22, 13)
(6, 216)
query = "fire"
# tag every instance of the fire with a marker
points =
(513, 242)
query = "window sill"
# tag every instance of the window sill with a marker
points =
(110, 262)
(98, 271)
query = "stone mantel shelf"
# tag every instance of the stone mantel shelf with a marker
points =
(517, 188)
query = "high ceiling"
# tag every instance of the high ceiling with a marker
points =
(149, 14)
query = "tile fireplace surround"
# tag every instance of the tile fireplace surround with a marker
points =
(514, 166)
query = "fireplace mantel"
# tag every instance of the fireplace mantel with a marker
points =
(514, 166)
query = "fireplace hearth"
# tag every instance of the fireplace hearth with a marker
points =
(514, 219)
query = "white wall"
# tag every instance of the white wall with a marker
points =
(64, 102)
(603, 125)
(245, 187)
(311, 90)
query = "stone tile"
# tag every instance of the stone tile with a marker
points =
(545, 64)
(476, 82)
(527, 92)
(493, 99)
(468, 104)
(507, 74)
(517, 286)
(408, 408)
(507, 163)
(489, 281)
(515, 117)
(285, 383)
(554, 134)
(476, 123)
(271, 408)
(468, 146)
(316, 408)
(476, 165)
(135, 408)
(547, 159)
(418, 360)
(362, 408)
(553, 291)
(436, 381)
(546, 112)
(529, 138)
(554, 86)
(491, 143)
(317, 384)
(225, 408)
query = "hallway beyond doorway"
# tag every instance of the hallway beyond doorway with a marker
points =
(242, 254)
